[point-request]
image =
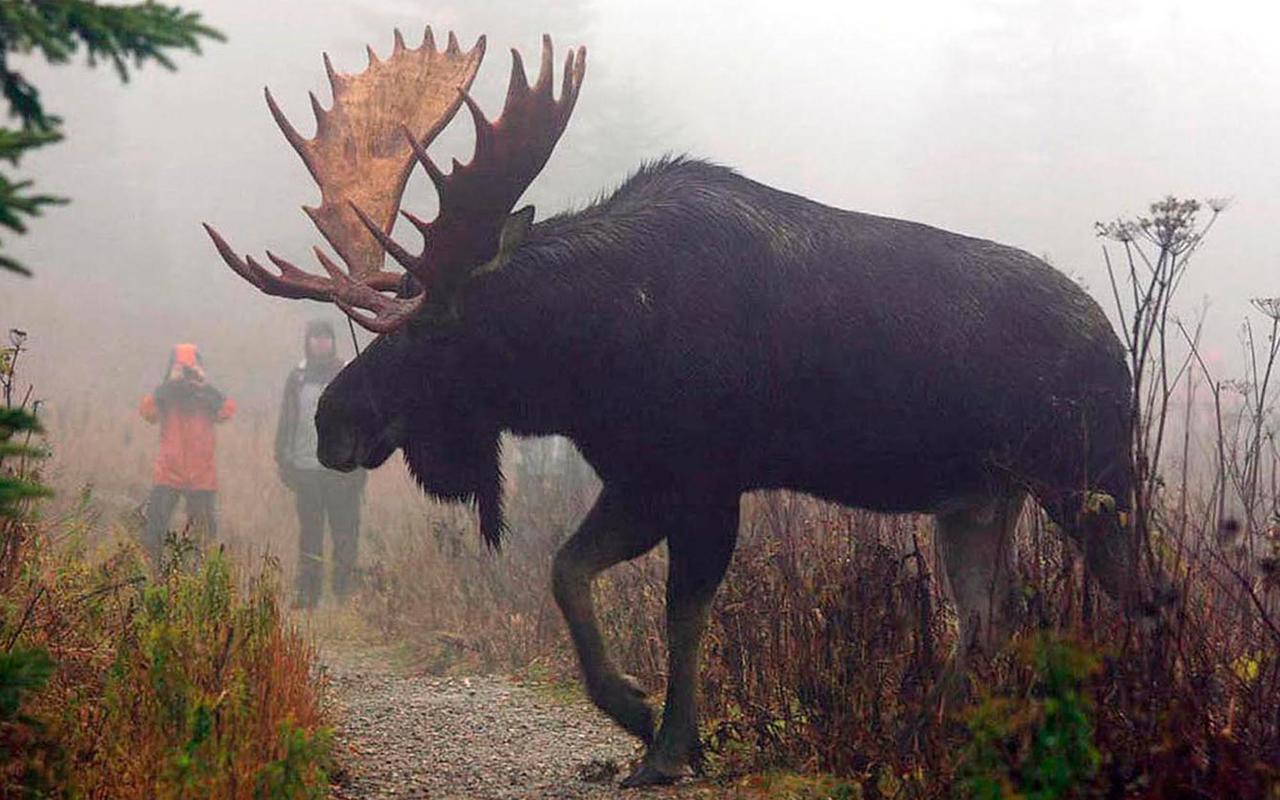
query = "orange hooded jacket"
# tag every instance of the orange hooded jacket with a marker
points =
(186, 409)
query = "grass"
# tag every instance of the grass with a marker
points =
(831, 633)
(185, 687)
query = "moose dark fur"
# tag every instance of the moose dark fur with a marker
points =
(699, 335)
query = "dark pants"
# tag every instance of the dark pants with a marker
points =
(160, 507)
(321, 494)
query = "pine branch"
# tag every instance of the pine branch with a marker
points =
(14, 144)
(16, 487)
(15, 204)
(126, 36)
(139, 32)
(13, 201)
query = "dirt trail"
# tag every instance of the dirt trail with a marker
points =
(401, 735)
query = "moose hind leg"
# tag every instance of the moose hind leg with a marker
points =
(609, 534)
(700, 546)
(976, 543)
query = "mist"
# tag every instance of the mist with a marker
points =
(1020, 122)
(954, 650)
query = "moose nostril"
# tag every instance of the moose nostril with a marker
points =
(337, 451)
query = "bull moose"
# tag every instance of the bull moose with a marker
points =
(697, 335)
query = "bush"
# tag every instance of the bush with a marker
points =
(115, 684)
(1038, 745)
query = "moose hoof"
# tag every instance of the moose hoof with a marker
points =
(623, 700)
(648, 775)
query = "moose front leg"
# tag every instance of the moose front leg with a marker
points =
(610, 534)
(700, 546)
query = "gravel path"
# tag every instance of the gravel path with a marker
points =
(413, 736)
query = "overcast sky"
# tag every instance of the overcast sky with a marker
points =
(1022, 122)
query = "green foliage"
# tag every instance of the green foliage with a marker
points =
(123, 35)
(15, 486)
(27, 755)
(189, 679)
(21, 672)
(1037, 746)
(300, 772)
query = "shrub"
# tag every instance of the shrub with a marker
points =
(1036, 745)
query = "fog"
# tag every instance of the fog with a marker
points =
(1019, 122)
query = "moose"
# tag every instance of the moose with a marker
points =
(697, 335)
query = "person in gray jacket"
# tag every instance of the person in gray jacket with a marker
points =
(320, 493)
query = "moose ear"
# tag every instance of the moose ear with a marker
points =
(513, 234)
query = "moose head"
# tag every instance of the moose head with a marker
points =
(364, 149)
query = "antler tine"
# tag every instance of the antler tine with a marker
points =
(429, 39)
(546, 68)
(393, 247)
(333, 269)
(398, 43)
(418, 222)
(292, 282)
(566, 79)
(453, 48)
(233, 260)
(483, 127)
(319, 112)
(518, 85)
(288, 271)
(336, 80)
(299, 143)
(574, 71)
(387, 313)
(433, 172)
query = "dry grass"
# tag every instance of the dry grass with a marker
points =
(830, 631)
(186, 687)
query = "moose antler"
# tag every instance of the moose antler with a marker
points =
(360, 157)
(475, 199)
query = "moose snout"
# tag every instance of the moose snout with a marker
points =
(345, 448)
(337, 449)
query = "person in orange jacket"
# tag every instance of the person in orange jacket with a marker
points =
(186, 406)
